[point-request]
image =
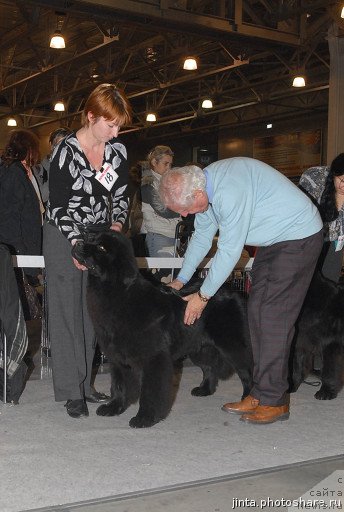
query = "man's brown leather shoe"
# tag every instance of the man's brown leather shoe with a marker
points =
(247, 405)
(264, 414)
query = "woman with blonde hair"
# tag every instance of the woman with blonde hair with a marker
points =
(159, 222)
(87, 192)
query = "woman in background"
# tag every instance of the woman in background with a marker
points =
(41, 171)
(87, 192)
(135, 225)
(325, 185)
(20, 206)
(159, 222)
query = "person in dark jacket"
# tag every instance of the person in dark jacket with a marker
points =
(41, 171)
(20, 206)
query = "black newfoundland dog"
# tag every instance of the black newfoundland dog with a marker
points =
(139, 327)
(320, 335)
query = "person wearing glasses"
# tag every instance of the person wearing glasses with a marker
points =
(325, 186)
(250, 203)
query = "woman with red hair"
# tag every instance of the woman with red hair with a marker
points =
(87, 192)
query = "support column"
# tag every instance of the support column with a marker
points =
(335, 136)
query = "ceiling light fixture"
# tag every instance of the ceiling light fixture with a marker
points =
(151, 117)
(299, 81)
(298, 72)
(190, 64)
(59, 106)
(11, 122)
(207, 103)
(342, 13)
(57, 40)
(268, 126)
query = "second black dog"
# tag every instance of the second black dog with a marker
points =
(139, 326)
(320, 335)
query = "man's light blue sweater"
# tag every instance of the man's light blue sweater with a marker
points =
(250, 203)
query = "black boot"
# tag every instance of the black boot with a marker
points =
(76, 408)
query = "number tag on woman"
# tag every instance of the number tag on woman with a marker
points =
(107, 176)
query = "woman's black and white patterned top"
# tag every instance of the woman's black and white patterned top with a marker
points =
(313, 182)
(76, 198)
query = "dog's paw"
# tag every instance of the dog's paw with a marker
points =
(325, 394)
(201, 391)
(113, 408)
(142, 421)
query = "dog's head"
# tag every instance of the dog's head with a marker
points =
(108, 256)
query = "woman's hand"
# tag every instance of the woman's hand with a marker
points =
(76, 263)
(116, 226)
(194, 308)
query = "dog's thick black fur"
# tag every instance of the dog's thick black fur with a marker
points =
(320, 335)
(139, 326)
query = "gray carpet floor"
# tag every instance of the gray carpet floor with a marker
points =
(48, 458)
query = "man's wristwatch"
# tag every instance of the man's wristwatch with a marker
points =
(203, 298)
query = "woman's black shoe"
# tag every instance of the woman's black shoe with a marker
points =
(76, 408)
(95, 397)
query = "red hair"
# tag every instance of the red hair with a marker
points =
(109, 102)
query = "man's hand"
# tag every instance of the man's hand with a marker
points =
(194, 308)
(176, 284)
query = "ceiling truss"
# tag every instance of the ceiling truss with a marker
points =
(247, 52)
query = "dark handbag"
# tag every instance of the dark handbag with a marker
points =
(34, 306)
